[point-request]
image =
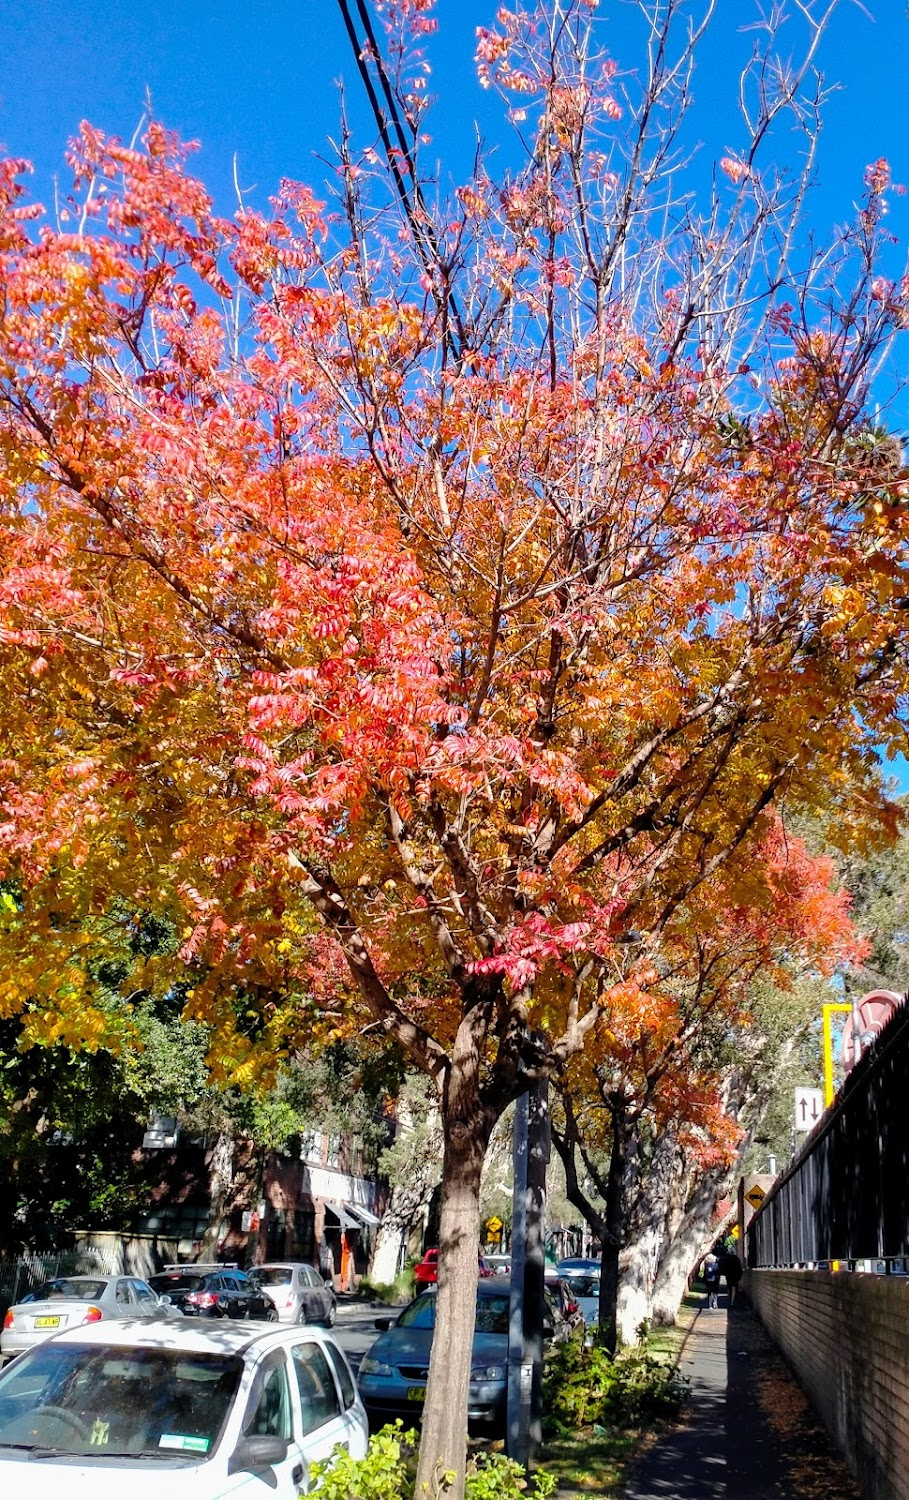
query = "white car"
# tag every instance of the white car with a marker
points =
(70, 1301)
(582, 1277)
(176, 1410)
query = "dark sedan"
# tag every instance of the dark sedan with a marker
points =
(226, 1293)
(392, 1376)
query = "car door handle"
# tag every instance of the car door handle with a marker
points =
(297, 1474)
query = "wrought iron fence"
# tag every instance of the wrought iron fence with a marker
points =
(846, 1195)
(18, 1277)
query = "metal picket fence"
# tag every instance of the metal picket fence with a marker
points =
(17, 1277)
(845, 1198)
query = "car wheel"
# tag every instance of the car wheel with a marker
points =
(329, 1319)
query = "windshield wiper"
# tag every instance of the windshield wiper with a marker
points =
(94, 1454)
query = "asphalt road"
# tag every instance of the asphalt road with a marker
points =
(355, 1329)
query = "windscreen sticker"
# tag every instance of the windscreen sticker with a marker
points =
(184, 1442)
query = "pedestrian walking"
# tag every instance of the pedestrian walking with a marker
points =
(732, 1274)
(710, 1275)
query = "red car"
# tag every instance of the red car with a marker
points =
(426, 1271)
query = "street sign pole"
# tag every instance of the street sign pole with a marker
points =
(528, 1237)
(830, 1009)
(520, 1373)
(535, 1256)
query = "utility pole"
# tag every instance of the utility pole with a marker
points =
(525, 1326)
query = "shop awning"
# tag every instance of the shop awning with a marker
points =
(365, 1215)
(346, 1220)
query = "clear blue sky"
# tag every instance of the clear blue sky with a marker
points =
(258, 78)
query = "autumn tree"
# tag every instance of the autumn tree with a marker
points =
(411, 597)
(656, 1114)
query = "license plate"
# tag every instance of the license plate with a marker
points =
(47, 1322)
(416, 1393)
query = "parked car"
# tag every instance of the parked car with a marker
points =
(222, 1293)
(71, 1301)
(572, 1263)
(500, 1264)
(426, 1271)
(299, 1293)
(582, 1277)
(181, 1410)
(393, 1373)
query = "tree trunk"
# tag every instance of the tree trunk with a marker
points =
(443, 1446)
(649, 1198)
(220, 1178)
(386, 1255)
(692, 1238)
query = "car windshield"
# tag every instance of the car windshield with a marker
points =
(492, 1314)
(420, 1314)
(162, 1284)
(82, 1287)
(82, 1399)
(272, 1275)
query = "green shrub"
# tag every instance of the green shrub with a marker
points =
(587, 1386)
(389, 1471)
(391, 1293)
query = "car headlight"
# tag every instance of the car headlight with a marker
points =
(488, 1372)
(375, 1367)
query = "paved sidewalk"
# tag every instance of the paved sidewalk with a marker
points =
(747, 1432)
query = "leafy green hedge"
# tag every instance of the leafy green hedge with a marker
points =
(583, 1387)
(389, 1471)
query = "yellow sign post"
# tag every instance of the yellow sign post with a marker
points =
(755, 1196)
(844, 1007)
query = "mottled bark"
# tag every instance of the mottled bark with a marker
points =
(467, 1129)
(649, 1202)
(692, 1237)
(220, 1178)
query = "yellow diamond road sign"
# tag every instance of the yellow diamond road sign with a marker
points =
(495, 1224)
(755, 1195)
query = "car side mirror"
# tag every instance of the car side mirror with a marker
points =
(164, 1300)
(329, 1283)
(383, 1324)
(255, 1454)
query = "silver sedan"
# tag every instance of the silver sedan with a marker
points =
(299, 1293)
(69, 1301)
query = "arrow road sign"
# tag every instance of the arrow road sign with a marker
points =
(809, 1106)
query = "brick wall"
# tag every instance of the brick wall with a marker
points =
(846, 1337)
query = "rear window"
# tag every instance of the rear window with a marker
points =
(272, 1275)
(176, 1283)
(582, 1286)
(71, 1286)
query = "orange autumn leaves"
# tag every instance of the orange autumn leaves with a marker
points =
(510, 664)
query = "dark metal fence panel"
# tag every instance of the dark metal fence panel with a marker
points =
(846, 1195)
(17, 1277)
